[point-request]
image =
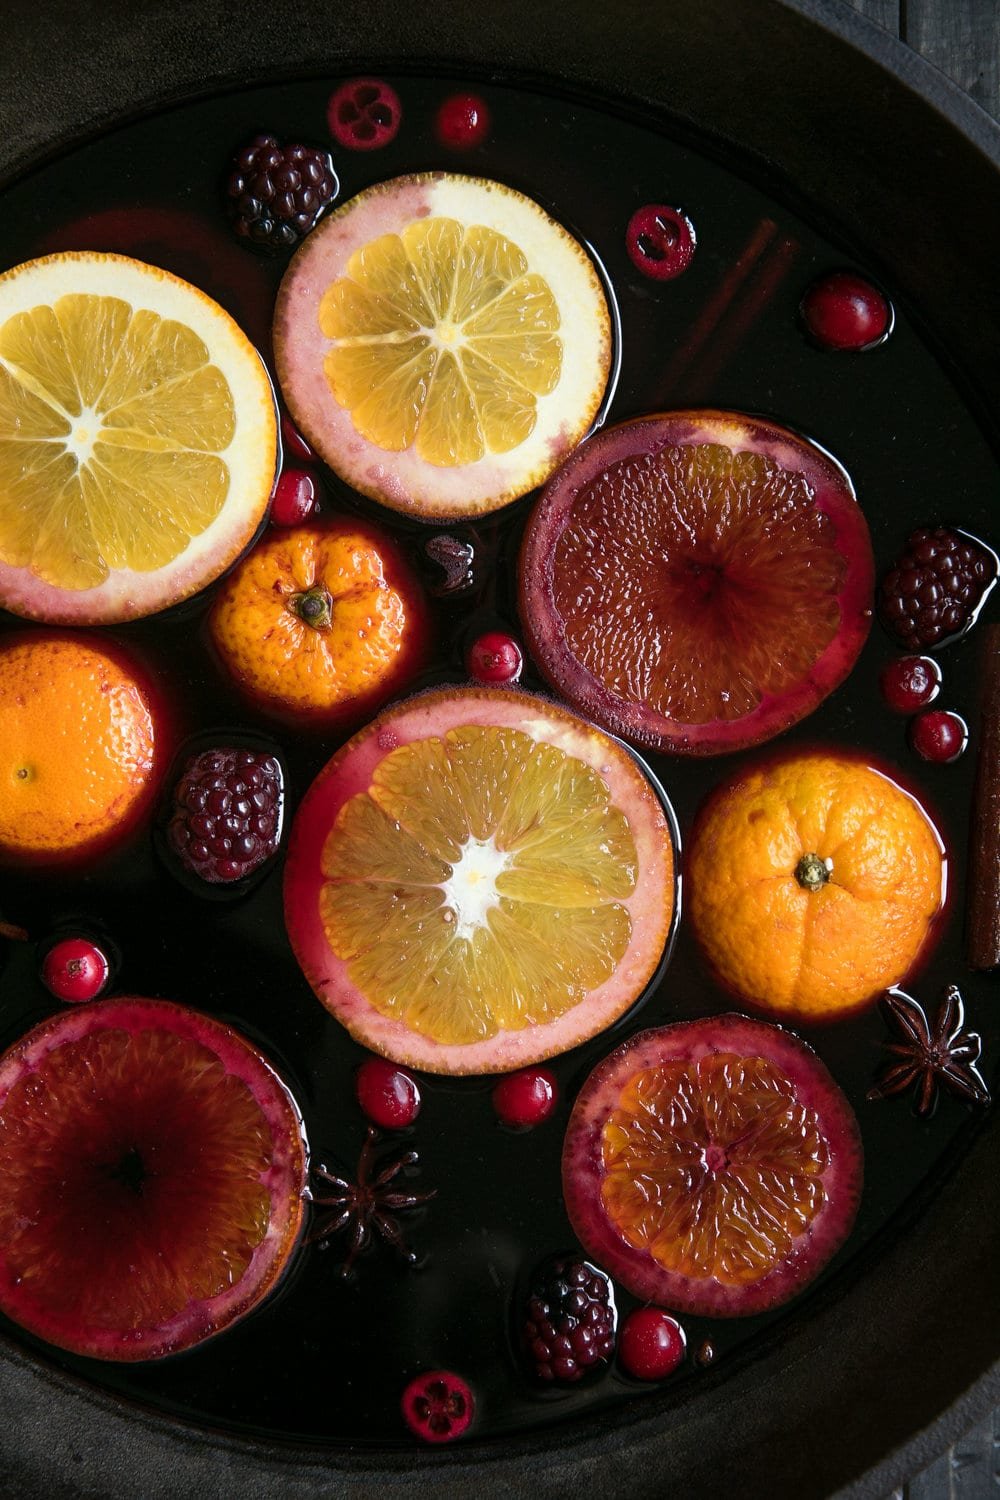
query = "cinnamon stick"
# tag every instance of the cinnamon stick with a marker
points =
(983, 876)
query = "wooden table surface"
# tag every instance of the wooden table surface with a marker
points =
(962, 38)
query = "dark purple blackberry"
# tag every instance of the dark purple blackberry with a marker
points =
(934, 590)
(226, 818)
(275, 194)
(569, 1327)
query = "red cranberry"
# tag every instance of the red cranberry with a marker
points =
(651, 1344)
(463, 121)
(660, 241)
(526, 1098)
(494, 657)
(75, 969)
(364, 114)
(389, 1096)
(293, 442)
(909, 683)
(438, 1406)
(939, 736)
(294, 498)
(843, 311)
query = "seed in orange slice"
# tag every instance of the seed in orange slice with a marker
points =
(321, 622)
(77, 745)
(151, 1183)
(477, 880)
(137, 439)
(814, 882)
(712, 1166)
(442, 343)
(697, 581)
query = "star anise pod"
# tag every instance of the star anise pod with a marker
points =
(368, 1205)
(929, 1055)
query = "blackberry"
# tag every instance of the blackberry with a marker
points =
(934, 590)
(569, 1330)
(275, 194)
(226, 818)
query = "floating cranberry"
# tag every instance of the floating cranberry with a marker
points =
(75, 969)
(364, 114)
(936, 587)
(660, 241)
(275, 194)
(294, 498)
(494, 657)
(387, 1095)
(463, 121)
(525, 1098)
(939, 736)
(844, 311)
(909, 683)
(438, 1406)
(294, 443)
(651, 1344)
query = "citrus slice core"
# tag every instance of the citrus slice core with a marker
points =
(137, 439)
(478, 880)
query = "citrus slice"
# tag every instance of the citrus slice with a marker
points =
(697, 581)
(814, 884)
(152, 1179)
(712, 1166)
(442, 343)
(477, 880)
(137, 439)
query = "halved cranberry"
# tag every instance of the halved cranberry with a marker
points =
(660, 241)
(651, 1344)
(463, 121)
(75, 969)
(909, 683)
(294, 498)
(494, 657)
(844, 311)
(939, 736)
(438, 1406)
(388, 1095)
(525, 1098)
(364, 114)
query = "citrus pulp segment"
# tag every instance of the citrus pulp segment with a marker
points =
(137, 439)
(477, 880)
(152, 1179)
(697, 581)
(442, 343)
(712, 1166)
(814, 883)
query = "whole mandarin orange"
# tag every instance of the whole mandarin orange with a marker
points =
(76, 745)
(320, 620)
(813, 883)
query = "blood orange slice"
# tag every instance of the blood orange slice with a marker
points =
(712, 1166)
(151, 1179)
(697, 581)
(477, 880)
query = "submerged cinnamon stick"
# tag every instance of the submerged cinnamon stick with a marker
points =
(983, 878)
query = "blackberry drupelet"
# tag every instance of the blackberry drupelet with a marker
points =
(275, 194)
(569, 1328)
(934, 590)
(226, 817)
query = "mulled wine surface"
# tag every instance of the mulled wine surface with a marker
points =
(326, 1358)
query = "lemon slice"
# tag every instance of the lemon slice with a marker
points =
(137, 439)
(442, 343)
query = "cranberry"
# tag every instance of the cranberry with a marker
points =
(494, 657)
(843, 311)
(526, 1098)
(463, 121)
(660, 241)
(75, 969)
(389, 1096)
(293, 442)
(939, 736)
(364, 114)
(438, 1406)
(651, 1344)
(909, 683)
(294, 498)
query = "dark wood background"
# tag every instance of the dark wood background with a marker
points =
(962, 38)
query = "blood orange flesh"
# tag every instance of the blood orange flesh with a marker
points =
(151, 1181)
(712, 1166)
(697, 581)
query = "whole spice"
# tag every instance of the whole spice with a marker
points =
(926, 1055)
(983, 885)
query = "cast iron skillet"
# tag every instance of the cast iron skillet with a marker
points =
(902, 1356)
